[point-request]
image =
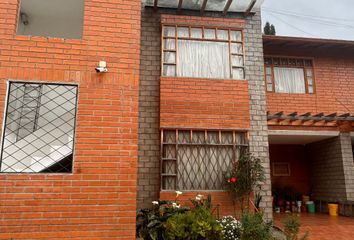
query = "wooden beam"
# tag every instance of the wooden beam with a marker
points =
(227, 6)
(250, 7)
(155, 5)
(202, 9)
(180, 6)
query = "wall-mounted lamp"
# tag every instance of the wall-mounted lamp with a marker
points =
(102, 67)
(24, 18)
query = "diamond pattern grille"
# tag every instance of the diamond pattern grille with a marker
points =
(198, 159)
(39, 128)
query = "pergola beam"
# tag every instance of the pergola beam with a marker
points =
(155, 5)
(202, 9)
(180, 6)
(250, 7)
(227, 6)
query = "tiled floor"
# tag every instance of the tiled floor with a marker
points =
(323, 227)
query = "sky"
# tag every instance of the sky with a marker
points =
(332, 19)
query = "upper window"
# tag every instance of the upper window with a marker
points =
(39, 128)
(198, 160)
(54, 18)
(289, 75)
(202, 52)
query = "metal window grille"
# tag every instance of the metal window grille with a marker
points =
(198, 160)
(39, 128)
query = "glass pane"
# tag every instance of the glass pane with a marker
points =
(309, 80)
(237, 61)
(276, 61)
(268, 61)
(300, 62)
(170, 44)
(236, 48)
(308, 63)
(236, 36)
(269, 79)
(284, 61)
(196, 33)
(169, 57)
(309, 72)
(223, 34)
(289, 80)
(310, 89)
(183, 32)
(169, 31)
(203, 59)
(209, 33)
(268, 70)
(238, 73)
(169, 70)
(269, 87)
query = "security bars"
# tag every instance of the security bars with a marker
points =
(39, 128)
(198, 159)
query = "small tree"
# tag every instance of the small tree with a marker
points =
(266, 28)
(272, 30)
(269, 29)
(246, 175)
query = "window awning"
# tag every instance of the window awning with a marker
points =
(224, 6)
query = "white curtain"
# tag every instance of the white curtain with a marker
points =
(203, 59)
(289, 80)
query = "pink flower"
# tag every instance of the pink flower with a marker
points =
(233, 179)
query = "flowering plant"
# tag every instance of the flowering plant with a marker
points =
(231, 228)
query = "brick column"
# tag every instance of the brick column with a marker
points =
(258, 113)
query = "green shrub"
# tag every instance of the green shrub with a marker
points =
(292, 227)
(197, 224)
(231, 228)
(253, 227)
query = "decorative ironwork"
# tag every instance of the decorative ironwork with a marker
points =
(39, 128)
(197, 160)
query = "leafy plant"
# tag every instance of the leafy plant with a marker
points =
(231, 228)
(257, 200)
(150, 222)
(292, 227)
(196, 224)
(245, 176)
(255, 228)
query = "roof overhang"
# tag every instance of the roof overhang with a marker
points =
(224, 6)
(297, 42)
(299, 137)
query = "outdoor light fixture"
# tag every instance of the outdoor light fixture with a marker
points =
(102, 67)
(24, 18)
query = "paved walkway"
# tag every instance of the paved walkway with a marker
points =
(323, 226)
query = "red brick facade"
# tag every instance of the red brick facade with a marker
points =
(98, 200)
(204, 103)
(334, 86)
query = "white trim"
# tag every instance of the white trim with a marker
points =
(303, 133)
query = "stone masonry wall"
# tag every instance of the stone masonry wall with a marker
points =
(258, 137)
(149, 144)
(332, 169)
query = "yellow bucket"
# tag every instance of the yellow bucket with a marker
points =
(333, 209)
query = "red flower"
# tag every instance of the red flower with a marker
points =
(233, 179)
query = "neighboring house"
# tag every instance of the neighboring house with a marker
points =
(310, 103)
(202, 98)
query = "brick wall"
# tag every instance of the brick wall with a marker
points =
(96, 201)
(295, 155)
(332, 168)
(204, 103)
(149, 121)
(334, 74)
